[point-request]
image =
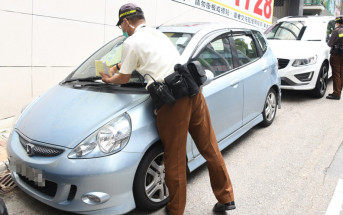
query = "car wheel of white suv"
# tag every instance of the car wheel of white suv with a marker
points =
(149, 188)
(321, 85)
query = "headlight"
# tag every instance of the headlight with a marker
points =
(109, 139)
(305, 61)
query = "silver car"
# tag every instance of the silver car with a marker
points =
(92, 148)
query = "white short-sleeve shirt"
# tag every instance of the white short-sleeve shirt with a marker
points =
(149, 51)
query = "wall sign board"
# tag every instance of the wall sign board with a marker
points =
(254, 12)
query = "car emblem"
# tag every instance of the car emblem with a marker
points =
(30, 149)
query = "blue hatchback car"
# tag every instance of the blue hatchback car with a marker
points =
(92, 148)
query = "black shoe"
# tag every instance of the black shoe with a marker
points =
(331, 96)
(224, 207)
(167, 211)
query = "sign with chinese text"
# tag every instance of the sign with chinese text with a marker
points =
(254, 12)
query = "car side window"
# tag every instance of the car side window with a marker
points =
(216, 56)
(261, 41)
(246, 49)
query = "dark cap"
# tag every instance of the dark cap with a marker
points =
(339, 19)
(127, 10)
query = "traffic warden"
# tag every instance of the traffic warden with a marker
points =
(152, 54)
(336, 59)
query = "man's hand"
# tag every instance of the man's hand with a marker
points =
(105, 78)
(115, 79)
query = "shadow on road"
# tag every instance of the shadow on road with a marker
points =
(293, 96)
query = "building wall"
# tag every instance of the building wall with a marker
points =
(281, 8)
(42, 41)
(334, 7)
(296, 7)
(284, 8)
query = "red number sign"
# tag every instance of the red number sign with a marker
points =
(261, 9)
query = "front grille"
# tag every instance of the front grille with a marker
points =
(282, 63)
(49, 189)
(40, 150)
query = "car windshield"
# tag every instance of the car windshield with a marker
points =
(110, 54)
(286, 31)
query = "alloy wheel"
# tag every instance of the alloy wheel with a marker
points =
(322, 80)
(155, 185)
(270, 106)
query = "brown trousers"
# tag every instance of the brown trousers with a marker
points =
(173, 123)
(336, 62)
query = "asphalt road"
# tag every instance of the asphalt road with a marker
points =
(291, 167)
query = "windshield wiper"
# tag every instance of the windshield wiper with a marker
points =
(94, 84)
(92, 78)
(134, 85)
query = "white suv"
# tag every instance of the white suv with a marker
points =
(300, 44)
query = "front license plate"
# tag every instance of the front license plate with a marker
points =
(35, 175)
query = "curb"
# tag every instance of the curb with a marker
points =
(4, 166)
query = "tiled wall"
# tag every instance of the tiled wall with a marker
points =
(42, 41)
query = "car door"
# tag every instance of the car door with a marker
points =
(224, 95)
(257, 71)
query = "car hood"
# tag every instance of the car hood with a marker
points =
(65, 116)
(294, 49)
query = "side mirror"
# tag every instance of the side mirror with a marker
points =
(209, 76)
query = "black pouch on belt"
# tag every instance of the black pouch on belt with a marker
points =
(160, 94)
(177, 84)
(192, 86)
(197, 72)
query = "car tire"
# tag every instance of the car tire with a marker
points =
(269, 109)
(149, 188)
(321, 84)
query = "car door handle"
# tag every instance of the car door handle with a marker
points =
(234, 83)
